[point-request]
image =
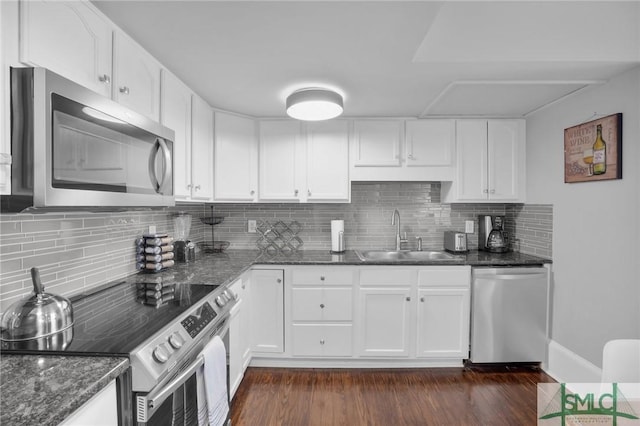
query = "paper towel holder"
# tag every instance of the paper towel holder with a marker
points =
(341, 248)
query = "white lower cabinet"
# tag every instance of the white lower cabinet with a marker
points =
(239, 343)
(384, 321)
(364, 316)
(100, 410)
(267, 311)
(321, 311)
(443, 323)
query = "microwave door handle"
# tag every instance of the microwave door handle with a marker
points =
(166, 163)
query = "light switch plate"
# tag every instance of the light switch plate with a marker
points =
(251, 226)
(468, 227)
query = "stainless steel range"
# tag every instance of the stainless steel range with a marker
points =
(163, 341)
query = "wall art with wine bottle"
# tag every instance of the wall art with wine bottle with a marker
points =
(593, 150)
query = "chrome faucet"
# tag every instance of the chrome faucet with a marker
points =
(395, 220)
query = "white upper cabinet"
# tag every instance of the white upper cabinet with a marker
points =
(69, 38)
(304, 162)
(490, 162)
(399, 150)
(328, 161)
(201, 150)
(281, 160)
(235, 158)
(377, 142)
(430, 143)
(175, 113)
(73, 39)
(136, 77)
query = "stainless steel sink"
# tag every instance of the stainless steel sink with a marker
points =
(402, 255)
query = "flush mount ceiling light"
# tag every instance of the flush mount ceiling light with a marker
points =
(314, 104)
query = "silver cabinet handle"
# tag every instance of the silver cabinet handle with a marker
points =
(322, 306)
(278, 280)
(125, 90)
(159, 145)
(408, 299)
(422, 299)
(197, 187)
(410, 157)
(309, 192)
(322, 341)
(486, 191)
(104, 79)
(295, 192)
(321, 278)
(252, 192)
(493, 191)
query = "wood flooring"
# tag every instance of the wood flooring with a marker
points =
(432, 396)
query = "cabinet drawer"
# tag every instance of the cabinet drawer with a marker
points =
(322, 276)
(386, 276)
(322, 340)
(321, 304)
(444, 276)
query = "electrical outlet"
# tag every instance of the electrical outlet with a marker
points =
(251, 226)
(468, 227)
(152, 229)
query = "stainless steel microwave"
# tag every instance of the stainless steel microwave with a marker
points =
(73, 148)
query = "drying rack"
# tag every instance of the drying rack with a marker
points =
(214, 246)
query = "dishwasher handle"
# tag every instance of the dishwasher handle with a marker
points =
(511, 276)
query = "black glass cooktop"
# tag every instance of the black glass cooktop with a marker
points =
(116, 320)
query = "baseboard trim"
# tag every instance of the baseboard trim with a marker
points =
(566, 366)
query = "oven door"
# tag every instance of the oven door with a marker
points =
(174, 401)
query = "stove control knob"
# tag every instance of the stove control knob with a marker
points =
(220, 301)
(160, 354)
(176, 341)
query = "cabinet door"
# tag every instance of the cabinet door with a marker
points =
(235, 158)
(328, 161)
(239, 344)
(175, 113)
(384, 321)
(70, 38)
(377, 142)
(280, 160)
(471, 153)
(234, 344)
(430, 142)
(201, 150)
(136, 77)
(267, 289)
(504, 138)
(443, 323)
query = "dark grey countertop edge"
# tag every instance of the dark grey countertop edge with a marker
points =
(53, 390)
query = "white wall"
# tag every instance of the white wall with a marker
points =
(596, 293)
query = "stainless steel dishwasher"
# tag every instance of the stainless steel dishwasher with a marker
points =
(509, 314)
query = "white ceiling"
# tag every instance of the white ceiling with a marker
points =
(388, 58)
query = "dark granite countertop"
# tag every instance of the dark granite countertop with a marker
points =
(223, 268)
(44, 390)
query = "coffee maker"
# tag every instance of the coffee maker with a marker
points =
(491, 235)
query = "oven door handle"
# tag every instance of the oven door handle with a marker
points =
(157, 397)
